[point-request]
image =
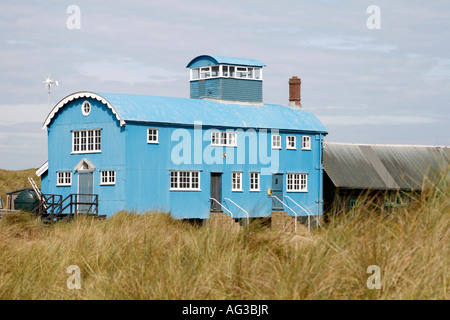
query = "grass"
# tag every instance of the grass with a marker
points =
(14, 180)
(151, 256)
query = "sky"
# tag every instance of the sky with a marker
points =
(380, 77)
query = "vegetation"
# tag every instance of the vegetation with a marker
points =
(151, 256)
(13, 180)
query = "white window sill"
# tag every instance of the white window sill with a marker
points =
(153, 142)
(255, 190)
(297, 191)
(81, 152)
(237, 190)
(306, 149)
(64, 185)
(223, 145)
(277, 148)
(108, 184)
(185, 189)
(291, 148)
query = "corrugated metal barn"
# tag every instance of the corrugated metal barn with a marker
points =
(222, 149)
(390, 174)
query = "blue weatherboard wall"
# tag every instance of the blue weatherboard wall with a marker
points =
(112, 157)
(224, 88)
(143, 170)
(227, 89)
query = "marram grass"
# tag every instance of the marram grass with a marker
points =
(151, 256)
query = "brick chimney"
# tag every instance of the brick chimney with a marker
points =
(294, 92)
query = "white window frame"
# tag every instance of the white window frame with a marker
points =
(154, 134)
(83, 108)
(254, 181)
(86, 141)
(223, 139)
(297, 182)
(188, 178)
(63, 178)
(291, 142)
(236, 181)
(107, 177)
(306, 143)
(276, 138)
(225, 72)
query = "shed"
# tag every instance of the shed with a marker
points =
(12, 195)
(391, 171)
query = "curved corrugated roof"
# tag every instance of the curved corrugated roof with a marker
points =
(185, 111)
(383, 167)
(229, 61)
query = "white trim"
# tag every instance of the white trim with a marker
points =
(65, 175)
(42, 169)
(79, 166)
(77, 95)
(273, 136)
(108, 177)
(258, 183)
(238, 181)
(287, 143)
(83, 111)
(305, 190)
(306, 139)
(220, 74)
(228, 137)
(94, 137)
(157, 136)
(178, 180)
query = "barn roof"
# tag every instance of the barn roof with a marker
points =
(216, 60)
(184, 111)
(382, 167)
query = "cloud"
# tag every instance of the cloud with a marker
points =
(127, 70)
(439, 71)
(375, 120)
(348, 43)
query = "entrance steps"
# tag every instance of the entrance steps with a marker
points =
(282, 221)
(221, 219)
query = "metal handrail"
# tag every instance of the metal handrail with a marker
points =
(295, 213)
(238, 207)
(309, 215)
(222, 207)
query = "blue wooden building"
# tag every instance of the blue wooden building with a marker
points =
(222, 149)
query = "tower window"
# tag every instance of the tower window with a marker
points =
(225, 71)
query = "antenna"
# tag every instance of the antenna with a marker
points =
(49, 82)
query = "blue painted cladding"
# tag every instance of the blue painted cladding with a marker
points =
(143, 169)
(227, 89)
(149, 166)
(111, 157)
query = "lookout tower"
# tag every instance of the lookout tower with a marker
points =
(225, 78)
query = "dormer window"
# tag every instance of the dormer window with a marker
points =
(224, 71)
